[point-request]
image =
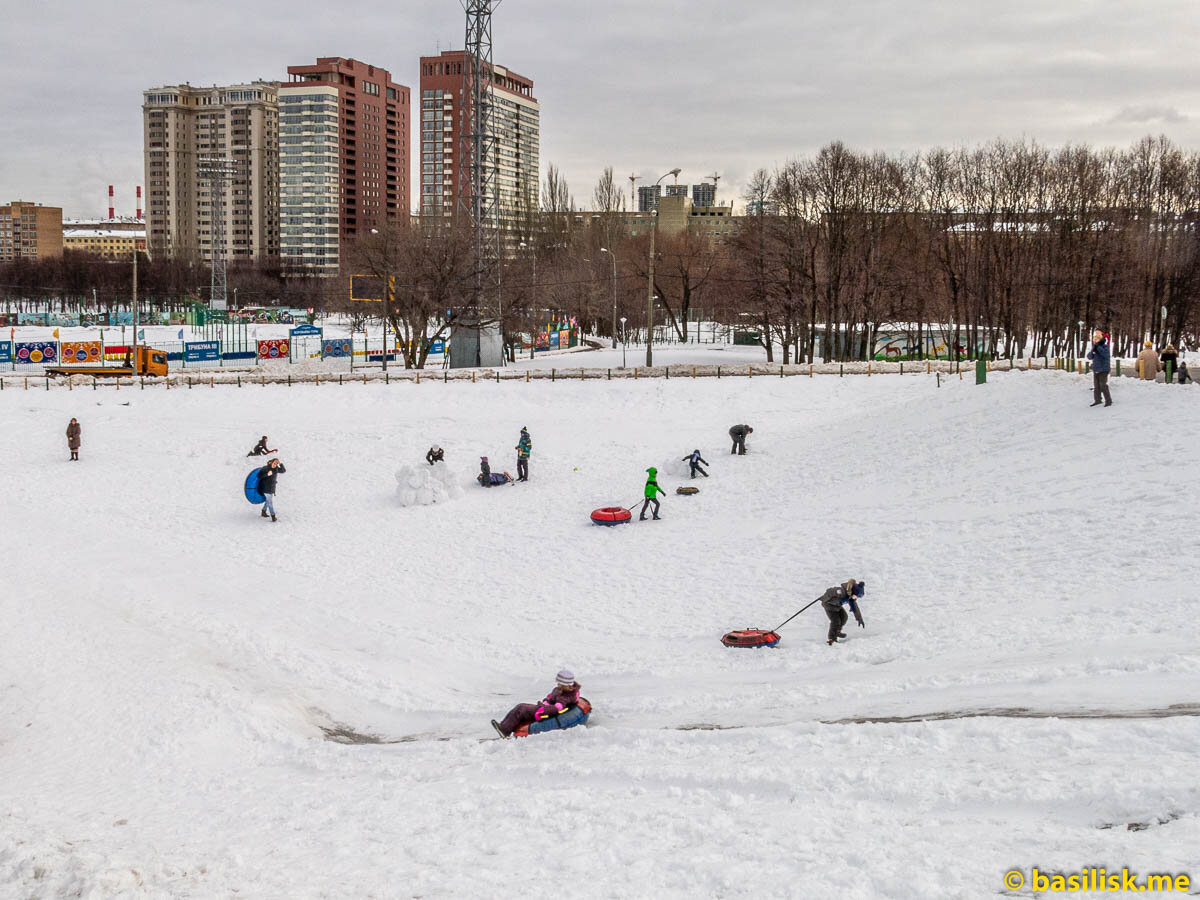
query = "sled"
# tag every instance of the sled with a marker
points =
(687, 490)
(751, 637)
(611, 515)
(252, 494)
(576, 715)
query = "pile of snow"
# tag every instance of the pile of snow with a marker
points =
(423, 485)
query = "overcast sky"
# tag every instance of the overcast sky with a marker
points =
(706, 85)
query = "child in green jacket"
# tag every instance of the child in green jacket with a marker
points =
(652, 489)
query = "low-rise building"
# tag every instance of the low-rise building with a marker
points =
(30, 231)
(109, 238)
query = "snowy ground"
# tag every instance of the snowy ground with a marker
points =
(171, 659)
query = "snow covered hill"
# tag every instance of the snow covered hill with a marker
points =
(198, 702)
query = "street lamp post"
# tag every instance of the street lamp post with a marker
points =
(614, 321)
(624, 344)
(650, 279)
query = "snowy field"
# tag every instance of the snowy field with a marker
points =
(172, 663)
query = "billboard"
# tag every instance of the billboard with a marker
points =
(5, 351)
(34, 352)
(81, 351)
(275, 348)
(201, 351)
(335, 347)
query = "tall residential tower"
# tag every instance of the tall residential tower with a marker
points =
(184, 125)
(445, 145)
(344, 159)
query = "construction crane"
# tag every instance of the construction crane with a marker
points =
(633, 192)
(715, 180)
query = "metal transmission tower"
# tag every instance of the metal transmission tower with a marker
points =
(217, 170)
(480, 187)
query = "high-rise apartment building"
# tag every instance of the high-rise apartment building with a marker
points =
(704, 194)
(344, 158)
(30, 231)
(184, 126)
(445, 145)
(648, 196)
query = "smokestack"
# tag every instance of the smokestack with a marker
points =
(112, 205)
(139, 201)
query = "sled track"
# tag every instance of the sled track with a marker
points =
(1175, 710)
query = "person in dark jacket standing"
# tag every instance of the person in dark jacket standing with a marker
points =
(563, 697)
(834, 599)
(73, 438)
(266, 485)
(694, 460)
(1170, 361)
(435, 455)
(651, 492)
(524, 446)
(1101, 359)
(738, 433)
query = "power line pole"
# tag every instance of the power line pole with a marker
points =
(217, 170)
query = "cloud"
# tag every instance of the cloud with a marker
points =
(1141, 115)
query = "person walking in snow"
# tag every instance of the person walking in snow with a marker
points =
(261, 448)
(1101, 358)
(564, 696)
(738, 433)
(435, 455)
(694, 460)
(834, 599)
(1184, 375)
(652, 489)
(524, 445)
(266, 485)
(73, 438)
(1147, 362)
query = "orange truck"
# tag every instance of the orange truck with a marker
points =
(149, 361)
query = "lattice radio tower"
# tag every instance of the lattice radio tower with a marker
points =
(217, 171)
(480, 186)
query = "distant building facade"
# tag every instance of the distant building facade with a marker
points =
(704, 194)
(344, 159)
(675, 215)
(30, 231)
(115, 238)
(648, 195)
(445, 144)
(183, 125)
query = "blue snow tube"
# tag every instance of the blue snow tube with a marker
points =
(252, 494)
(576, 715)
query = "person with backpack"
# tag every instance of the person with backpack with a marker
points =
(847, 593)
(524, 446)
(266, 485)
(74, 432)
(1101, 358)
(651, 492)
(694, 460)
(564, 696)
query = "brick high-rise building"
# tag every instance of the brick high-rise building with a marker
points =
(30, 231)
(445, 145)
(344, 158)
(185, 124)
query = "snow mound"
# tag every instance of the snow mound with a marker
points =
(423, 485)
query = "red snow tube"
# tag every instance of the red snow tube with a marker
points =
(611, 515)
(751, 637)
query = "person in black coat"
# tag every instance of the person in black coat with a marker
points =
(435, 455)
(261, 448)
(1170, 361)
(832, 602)
(738, 433)
(266, 485)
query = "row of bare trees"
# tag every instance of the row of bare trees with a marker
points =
(998, 249)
